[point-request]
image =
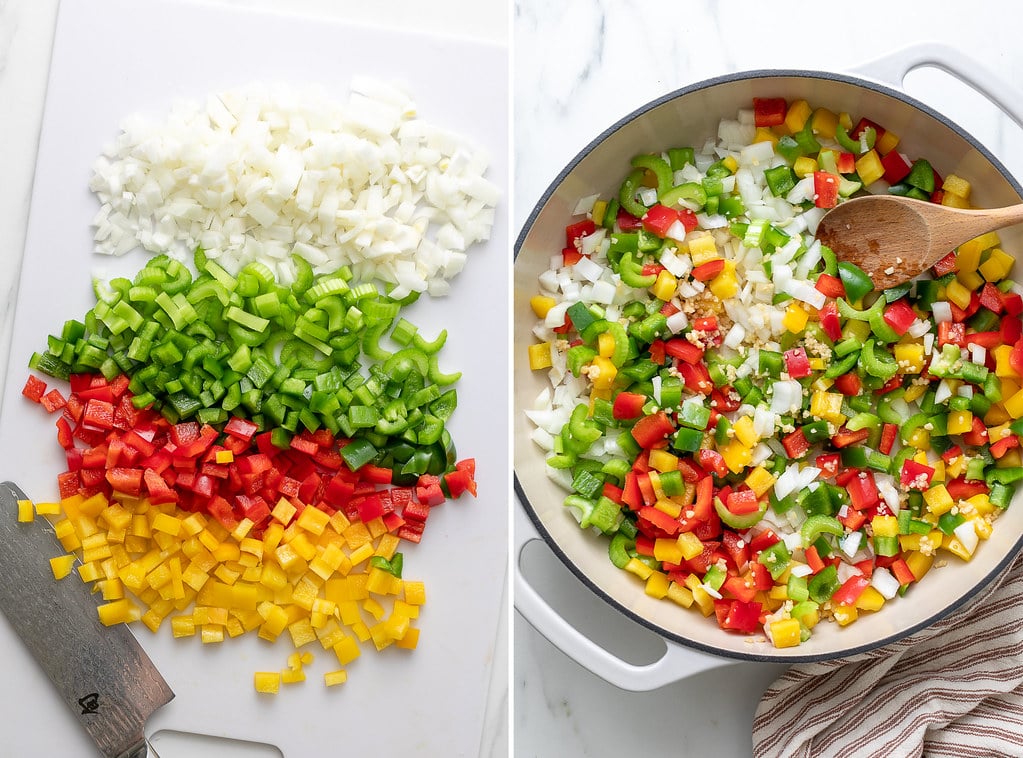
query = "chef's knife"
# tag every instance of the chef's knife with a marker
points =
(101, 672)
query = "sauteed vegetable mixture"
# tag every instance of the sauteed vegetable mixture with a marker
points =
(758, 433)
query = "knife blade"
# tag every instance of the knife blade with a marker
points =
(101, 672)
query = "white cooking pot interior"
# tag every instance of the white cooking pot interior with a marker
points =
(689, 117)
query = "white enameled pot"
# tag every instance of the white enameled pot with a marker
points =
(688, 117)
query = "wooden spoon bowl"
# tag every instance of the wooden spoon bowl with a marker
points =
(894, 239)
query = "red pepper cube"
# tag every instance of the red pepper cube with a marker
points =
(797, 364)
(899, 316)
(915, 475)
(946, 265)
(849, 384)
(575, 232)
(769, 111)
(34, 388)
(830, 286)
(683, 349)
(707, 271)
(652, 429)
(896, 166)
(991, 298)
(825, 189)
(862, 491)
(628, 405)
(696, 377)
(659, 219)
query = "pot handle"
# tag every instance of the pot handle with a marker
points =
(677, 663)
(893, 68)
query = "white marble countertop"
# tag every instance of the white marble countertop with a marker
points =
(578, 68)
(26, 40)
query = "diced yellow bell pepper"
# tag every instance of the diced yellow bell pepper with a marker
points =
(730, 163)
(910, 357)
(598, 211)
(809, 618)
(267, 682)
(824, 122)
(703, 248)
(828, 406)
(785, 633)
(804, 166)
(1003, 368)
(760, 480)
(737, 456)
(968, 254)
(744, 432)
(886, 142)
(952, 200)
(869, 167)
(958, 294)
(938, 500)
(915, 392)
(919, 564)
(764, 134)
(870, 600)
(885, 526)
(541, 304)
(602, 373)
(920, 439)
(845, 614)
(657, 585)
(997, 266)
(703, 600)
(690, 545)
(335, 678)
(960, 422)
(119, 612)
(680, 595)
(725, 285)
(997, 415)
(954, 545)
(667, 549)
(540, 356)
(661, 460)
(664, 286)
(61, 565)
(970, 279)
(1014, 405)
(795, 318)
(798, 113)
(26, 511)
(957, 186)
(605, 344)
(640, 569)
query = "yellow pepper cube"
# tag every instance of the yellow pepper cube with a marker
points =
(667, 549)
(938, 500)
(869, 167)
(870, 600)
(952, 200)
(26, 511)
(665, 285)
(118, 612)
(795, 318)
(703, 600)
(335, 678)
(798, 113)
(737, 456)
(785, 633)
(970, 279)
(61, 565)
(302, 633)
(662, 460)
(730, 163)
(744, 431)
(284, 511)
(702, 248)
(957, 186)
(313, 520)
(910, 357)
(670, 507)
(410, 640)
(920, 439)
(1014, 405)
(725, 285)
(886, 142)
(760, 480)
(828, 406)
(885, 526)
(346, 650)
(657, 585)
(267, 682)
(224, 456)
(164, 522)
(680, 595)
(292, 676)
(690, 545)
(640, 569)
(960, 422)
(540, 356)
(1003, 368)
(764, 134)
(824, 122)
(997, 266)
(605, 344)
(954, 545)
(415, 592)
(49, 509)
(845, 614)
(969, 253)
(804, 166)
(958, 294)
(541, 304)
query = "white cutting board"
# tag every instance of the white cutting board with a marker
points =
(115, 57)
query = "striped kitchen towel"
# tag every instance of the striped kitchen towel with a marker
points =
(953, 689)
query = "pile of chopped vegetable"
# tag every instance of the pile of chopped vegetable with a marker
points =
(759, 434)
(252, 434)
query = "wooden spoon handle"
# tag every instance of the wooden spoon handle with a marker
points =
(949, 230)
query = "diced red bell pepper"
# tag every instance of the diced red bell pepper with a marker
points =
(659, 218)
(696, 377)
(660, 519)
(987, 339)
(845, 162)
(53, 400)
(797, 364)
(737, 587)
(652, 269)
(888, 434)
(762, 541)
(1011, 329)
(960, 489)
(849, 384)
(863, 124)
(896, 166)
(825, 189)
(127, 481)
(850, 590)
(946, 265)
(862, 491)
(795, 444)
(652, 429)
(915, 475)
(707, 271)
(951, 333)
(828, 463)
(991, 298)
(813, 559)
(901, 571)
(743, 616)
(1013, 303)
(725, 399)
(846, 437)
(683, 349)
(737, 549)
(712, 460)
(575, 232)
(657, 352)
(241, 428)
(628, 405)
(570, 256)
(627, 222)
(98, 414)
(1004, 445)
(899, 316)
(769, 111)
(978, 433)
(428, 490)
(830, 286)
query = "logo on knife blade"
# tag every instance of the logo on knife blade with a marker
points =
(89, 703)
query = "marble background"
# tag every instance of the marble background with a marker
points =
(579, 67)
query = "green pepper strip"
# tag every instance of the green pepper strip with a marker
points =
(877, 361)
(847, 311)
(690, 191)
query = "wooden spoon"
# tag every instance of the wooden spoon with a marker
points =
(894, 239)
